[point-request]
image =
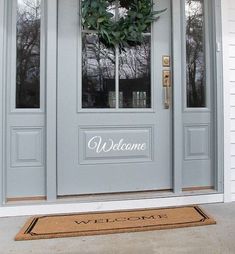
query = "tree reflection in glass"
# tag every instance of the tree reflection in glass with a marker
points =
(195, 54)
(28, 54)
(104, 70)
(135, 75)
(98, 73)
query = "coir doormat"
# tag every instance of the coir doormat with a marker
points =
(55, 226)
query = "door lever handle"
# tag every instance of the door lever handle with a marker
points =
(166, 85)
(167, 98)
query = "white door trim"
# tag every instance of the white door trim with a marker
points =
(177, 91)
(226, 105)
(65, 208)
(2, 97)
(51, 99)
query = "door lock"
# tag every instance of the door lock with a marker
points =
(166, 78)
(166, 61)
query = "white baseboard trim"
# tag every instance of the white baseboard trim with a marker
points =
(29, 210)
(233, 197)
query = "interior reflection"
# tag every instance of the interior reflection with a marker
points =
(106, 71)
(195, 53)
(98, 73)
(135, 75)
(28, 54)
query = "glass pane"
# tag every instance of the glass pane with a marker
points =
(135, 76)
(98, 73)
(195, 54)
(28, 54)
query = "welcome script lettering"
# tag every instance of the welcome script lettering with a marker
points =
(98, 145)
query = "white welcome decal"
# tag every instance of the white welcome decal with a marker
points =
(98, 145)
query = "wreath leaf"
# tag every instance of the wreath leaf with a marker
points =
(127, 30)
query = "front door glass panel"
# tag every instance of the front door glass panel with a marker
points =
(98, 73)
(135, 75)
(111, 74)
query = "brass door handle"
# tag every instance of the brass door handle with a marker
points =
(167, 97)
(166, 85)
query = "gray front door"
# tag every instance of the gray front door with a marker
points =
(114, 129)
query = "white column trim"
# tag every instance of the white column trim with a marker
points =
(227, 134)
(51, 99)
(177, 91)
(2, 97)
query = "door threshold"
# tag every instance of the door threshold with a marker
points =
(132, 195)
(117, 195)
(25, 200)
(107, 197)
(197, 189)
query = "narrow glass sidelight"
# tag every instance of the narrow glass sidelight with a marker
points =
(195, 54)
(115, 74)
(28, 54)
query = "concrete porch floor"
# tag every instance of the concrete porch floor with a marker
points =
(213, 239)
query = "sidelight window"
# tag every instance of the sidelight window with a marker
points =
(195, 53)
(28, 26)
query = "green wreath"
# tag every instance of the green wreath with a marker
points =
(124, 32)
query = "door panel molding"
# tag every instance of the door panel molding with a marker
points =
(95, 134)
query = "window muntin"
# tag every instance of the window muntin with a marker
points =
(195, 54)
(28, 26)
(110, 74)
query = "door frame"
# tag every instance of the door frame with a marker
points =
(178, 105)
(51, 100)
(177, 57)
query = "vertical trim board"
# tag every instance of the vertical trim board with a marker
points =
(177, 90)
(2, 97)
(218, 80)
(51, 99)
(228, 85)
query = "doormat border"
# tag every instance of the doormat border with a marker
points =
(26, 232)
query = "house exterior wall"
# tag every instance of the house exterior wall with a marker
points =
(228, 28)
(231, 62)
